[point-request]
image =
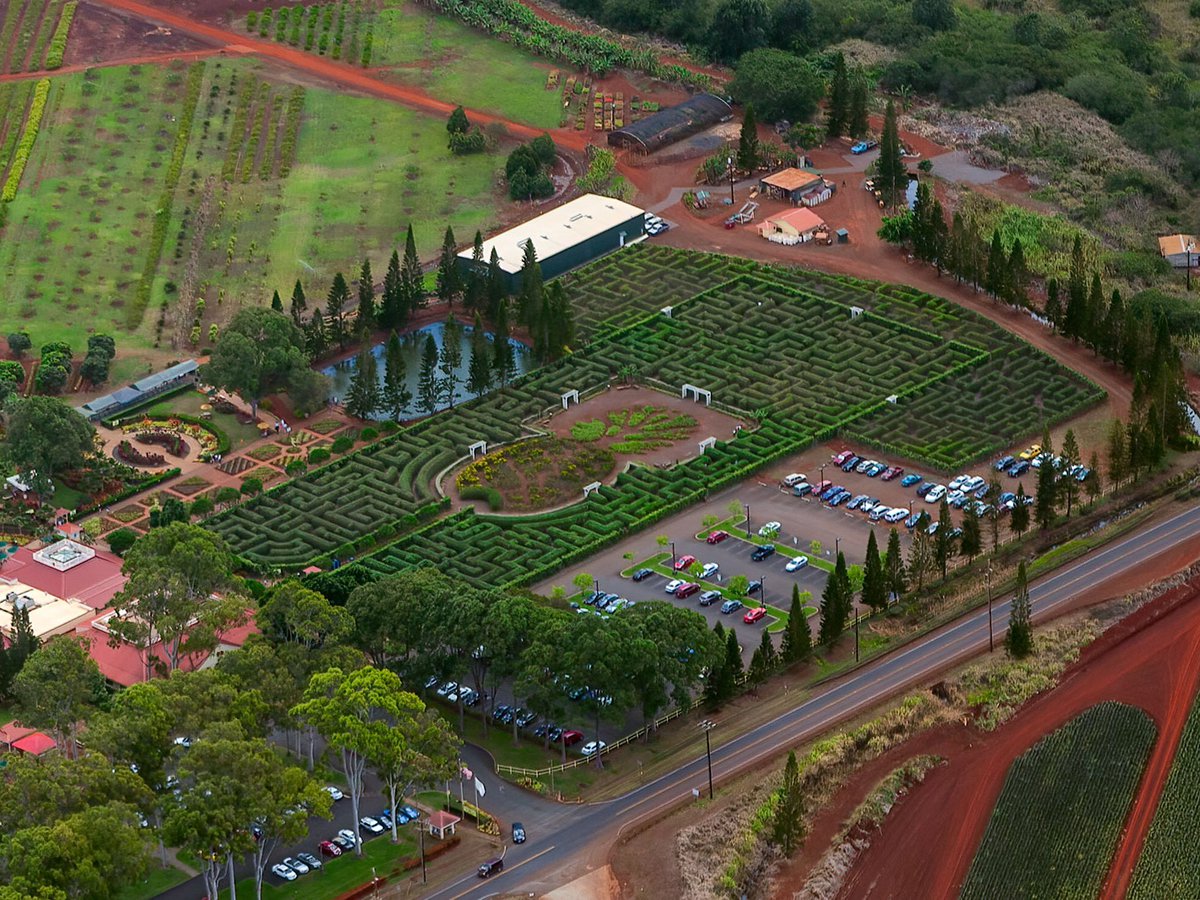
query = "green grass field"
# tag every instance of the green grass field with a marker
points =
(156, 882)
(445, 58)
(77, 231)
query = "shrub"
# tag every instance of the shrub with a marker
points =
(342, 443)
(121, 540)
(200, 507)
(495, 500)
(318, 455)
(296, 467)
(58, 43)
(251, 486)
(25, 145)
(368, 434)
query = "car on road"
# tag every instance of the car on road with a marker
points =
(762, 551)
(753, 615)
(284, 872)
(491, 867)
(936, 494)
(518, 833)
(683, 562)
(592, 747)
(708, 598)
(673, 585)
(863, 147)
(796, 563)
(770, 528)
(709, 570)
(296, 865)
(371, 824)
(687, 589)
(330, 849)
(794, 479)
(642, 574)
(308, 859)
(910, 480)
(730, 606)
(334, 792)
(715, 537)
(572, 737)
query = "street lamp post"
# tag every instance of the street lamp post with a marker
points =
(988, 578)
(708, 725)
(822, 481)
(672, 556)
(730, 161)
(762, 591)
(837, 548)
(596, 585)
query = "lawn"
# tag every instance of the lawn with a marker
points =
(445, 58)
(158, 881)
(337, 875)
(1062, 808)
(77, 233)
(189, 402)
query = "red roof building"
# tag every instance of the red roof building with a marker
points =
(11, 733)
(35, 744)
(93, 580)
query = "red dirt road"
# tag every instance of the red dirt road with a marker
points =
(344, 75)
(164, 57)
(1151, 660)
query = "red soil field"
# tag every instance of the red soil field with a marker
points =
(1150, 660)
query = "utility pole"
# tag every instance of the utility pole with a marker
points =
(991, 640)
(730, 162)
(856, 632)
(708, 725)
(672, 556)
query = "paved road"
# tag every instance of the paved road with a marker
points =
(542, 863)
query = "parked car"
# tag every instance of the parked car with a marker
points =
(892, 472)
(895, 515)
(762, 551)
(709, 570)
(1030, 452)
(683, 562)
(754, 587)
(770, 528)
(821, 487)
(956, 482)
(795, 564)
(525, 719)
(875, 469)
(334, 792)
(868, 504)
(753, 615)
(910, 480)
(879, 512)
(1007, 500)
(794, 479)
(518, 833)
(642, 574)
(972, 484)
(448, 688)
(411, 811)
(1019, 468)
(500, 713)
(285, 872)
(924, 488)
(347, 835)
(1003, 463)
(715, 537)
(1083, 473)
(840, 458)
(308, 859)
(981, 492)
(803, 489)
(330, 849)
(730, 606)
(912, 520)
(863, 147)
(852, 463)
(470, 697)
(296, 865)
(936, 494)
(673, 585)
(592, 747)
(572, 737)
(839, 499)
(864, 466)
(856, 501)
(708, 598)
(368, 823)
(686, 590)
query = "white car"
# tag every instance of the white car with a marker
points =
(867, 505)
(283, 872)
(957, 481)
(709, 570)
(367, 823)
(592, 747)
(673, 585)
(334, 792)
(936, 493)
(896, 515)
(295, 864)
(770, 528)
(796, 563)
(972, 484)
(450, 687)
(347, 835)
(794, 479)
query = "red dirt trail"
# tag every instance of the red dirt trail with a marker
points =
(165, 56)
(1150, 660)
(342, 74)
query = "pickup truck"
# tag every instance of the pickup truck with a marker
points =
(864, 146)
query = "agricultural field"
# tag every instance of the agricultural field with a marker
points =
(82, 228)
(1169, 865)
(33, 34)
(1064, 803)
(794, 357)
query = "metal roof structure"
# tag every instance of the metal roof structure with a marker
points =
(673, 123)
(140, 390)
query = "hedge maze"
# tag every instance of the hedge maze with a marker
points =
(781, 344)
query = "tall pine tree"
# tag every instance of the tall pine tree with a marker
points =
(495, 287)
(427, 377)
(839, 99)
(363, 397)
(474, 292)
(1054, 310)
(1019, 641)
(893, 567)
(797, 639)
(449, 278)
(299, 305)
(479, 369)
(366, 299)
(1046, 503)
(276, 302)
(1076, 311)
(335, 305)
(893, 176)
(858, 123)
(787, 822)
(450, 360)
(1018, 275)
(529, 301)
(874, 589)
(412, 279)
(392, 311)
(748, 154)
(504, 363)
(395, 396)
(1019, 518)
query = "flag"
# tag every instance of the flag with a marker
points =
(479, 788)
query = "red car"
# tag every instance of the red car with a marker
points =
(715, 537)
(840, 458)
(686, 590)
(753, 615)
(329, 848)
(821, 487)
(683, 562)
(571, 738)
(892, 472)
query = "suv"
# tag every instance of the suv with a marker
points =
(572, 737)
(686, 590)
(708, 598)
(802, 489)
(762, 551)
(731, 606)
(794, 479)
(491, 867)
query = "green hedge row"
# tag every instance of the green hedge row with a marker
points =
(58, 43)
(40, 94)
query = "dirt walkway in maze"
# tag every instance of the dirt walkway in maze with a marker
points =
(341, 74)
(1150, 660)
(108, 64)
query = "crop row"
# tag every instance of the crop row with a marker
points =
(317, 23)
(14, 97)
(1169, 865)
(58, 43)
(32, 123)
(1062, 809)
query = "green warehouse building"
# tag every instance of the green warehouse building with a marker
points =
(567, 236)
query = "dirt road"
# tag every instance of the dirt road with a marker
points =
(341, 74)
(164, 57)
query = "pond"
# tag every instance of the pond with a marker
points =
(342, 373)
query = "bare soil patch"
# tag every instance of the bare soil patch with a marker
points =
(99, 35)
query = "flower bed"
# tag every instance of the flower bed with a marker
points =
(638, 430)
(211, 440)
(534, 474)
(127, 453)
(174, 444)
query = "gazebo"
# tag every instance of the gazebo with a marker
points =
(441, 823)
